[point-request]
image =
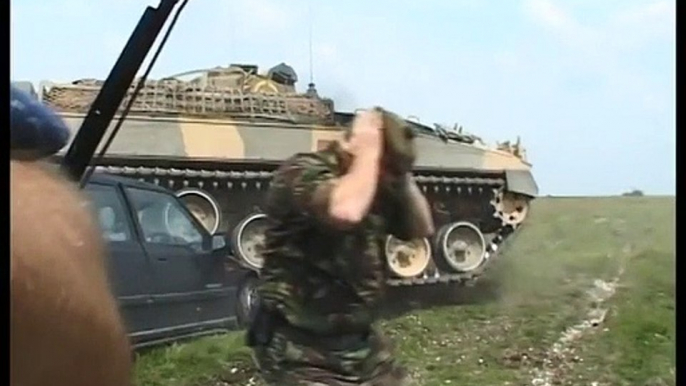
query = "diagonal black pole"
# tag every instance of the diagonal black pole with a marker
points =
(114, 89)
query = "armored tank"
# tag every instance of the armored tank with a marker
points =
(215, 137)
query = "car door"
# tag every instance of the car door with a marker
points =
(187, 275)
(222, 278)
(127, 264)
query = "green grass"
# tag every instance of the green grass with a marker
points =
(538, 289)
(197, 363)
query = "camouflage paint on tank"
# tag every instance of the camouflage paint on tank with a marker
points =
(209, 139)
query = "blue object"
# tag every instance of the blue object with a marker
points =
(34, 128)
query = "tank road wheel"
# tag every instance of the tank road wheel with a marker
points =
(462, 246)
(203, 206)
(510, 207)
(247, 300)
(407, 258)
(248, 240)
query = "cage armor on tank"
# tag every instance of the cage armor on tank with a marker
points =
(215, 136)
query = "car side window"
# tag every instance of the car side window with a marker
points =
(163, 220)
(110, 212)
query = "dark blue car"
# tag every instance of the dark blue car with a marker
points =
(171, 277)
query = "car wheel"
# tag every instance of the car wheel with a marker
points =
(247, 300)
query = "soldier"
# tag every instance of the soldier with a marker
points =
(324, 274)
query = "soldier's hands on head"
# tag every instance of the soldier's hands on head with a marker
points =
(366, 140)
(352, 194)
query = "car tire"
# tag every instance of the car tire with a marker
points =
(247, 300)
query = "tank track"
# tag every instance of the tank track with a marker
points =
(176, 178)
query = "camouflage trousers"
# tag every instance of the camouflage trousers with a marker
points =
(291, 359)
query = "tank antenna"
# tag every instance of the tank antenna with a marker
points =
(310, 43)
(311, 90)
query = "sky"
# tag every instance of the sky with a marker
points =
(589, 86)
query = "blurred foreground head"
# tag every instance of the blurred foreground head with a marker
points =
(35, 130)
(65, 328)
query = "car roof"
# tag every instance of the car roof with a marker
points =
(109, 179)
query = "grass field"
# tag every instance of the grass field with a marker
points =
(584, 295)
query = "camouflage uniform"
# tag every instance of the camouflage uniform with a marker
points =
(322, 287)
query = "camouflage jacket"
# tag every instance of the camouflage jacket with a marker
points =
(320, 278)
